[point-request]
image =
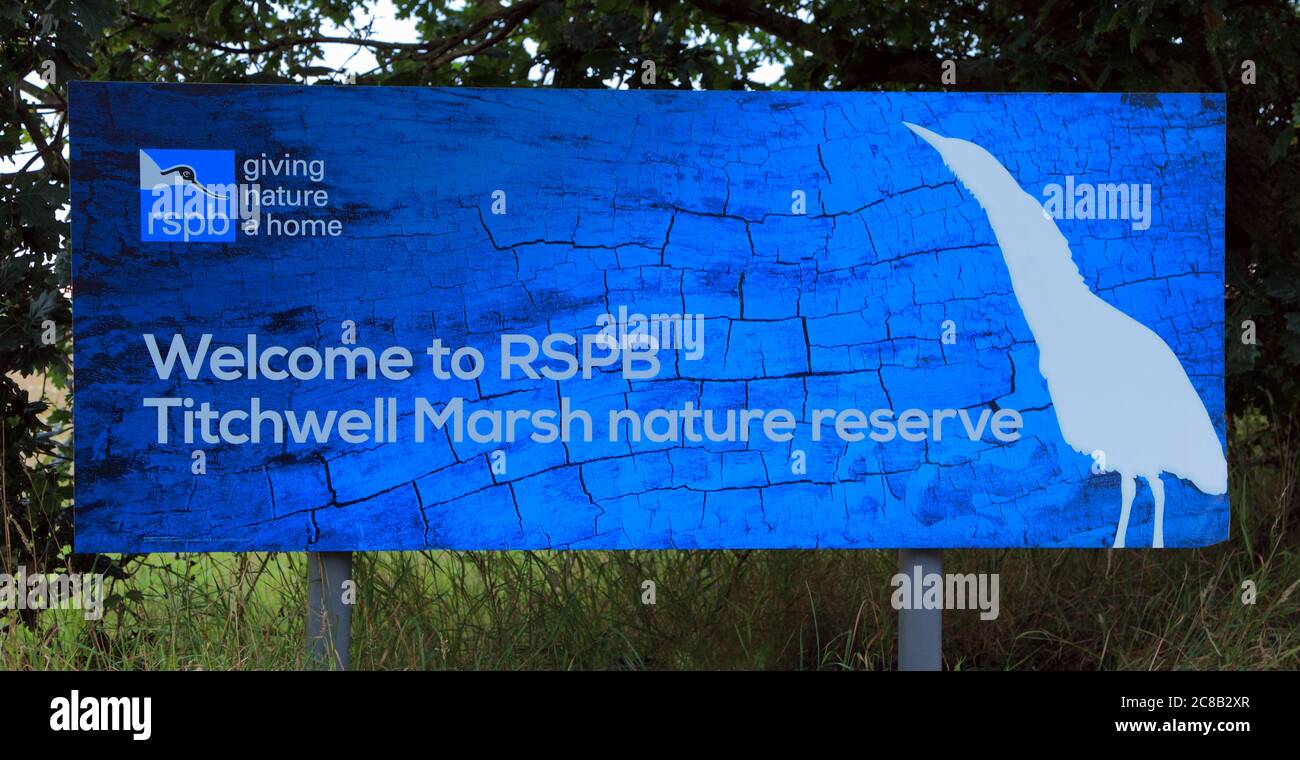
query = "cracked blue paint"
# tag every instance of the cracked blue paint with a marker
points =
(663, 202)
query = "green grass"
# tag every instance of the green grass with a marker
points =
(1060, 609)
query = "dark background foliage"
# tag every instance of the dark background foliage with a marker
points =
(1067, 45)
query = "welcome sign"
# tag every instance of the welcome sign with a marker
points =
(345, 318)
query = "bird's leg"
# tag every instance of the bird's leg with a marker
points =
(1128, 488)
(1158, 493)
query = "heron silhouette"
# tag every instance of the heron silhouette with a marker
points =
(1116, 387)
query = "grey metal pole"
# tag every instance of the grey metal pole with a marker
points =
(920, 632)
(329, 619)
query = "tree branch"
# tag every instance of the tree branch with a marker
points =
(438, 52)
(785, 28)
(43, 96)
(513, 17)
(54, 163)
(858, 62)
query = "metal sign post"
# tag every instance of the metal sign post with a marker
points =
(920, 631)
(329, 617)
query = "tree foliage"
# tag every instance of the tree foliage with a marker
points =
(1062, 45)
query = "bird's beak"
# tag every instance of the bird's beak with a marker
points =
(933, 138)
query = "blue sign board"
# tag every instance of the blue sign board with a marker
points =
(350, 318)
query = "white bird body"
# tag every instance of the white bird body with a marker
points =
(151, 174)
(1116, 387)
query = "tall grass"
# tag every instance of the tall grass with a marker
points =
(1060, 609)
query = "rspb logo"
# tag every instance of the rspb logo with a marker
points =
(188, 196)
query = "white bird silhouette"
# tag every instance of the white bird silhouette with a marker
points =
(1116, 387)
